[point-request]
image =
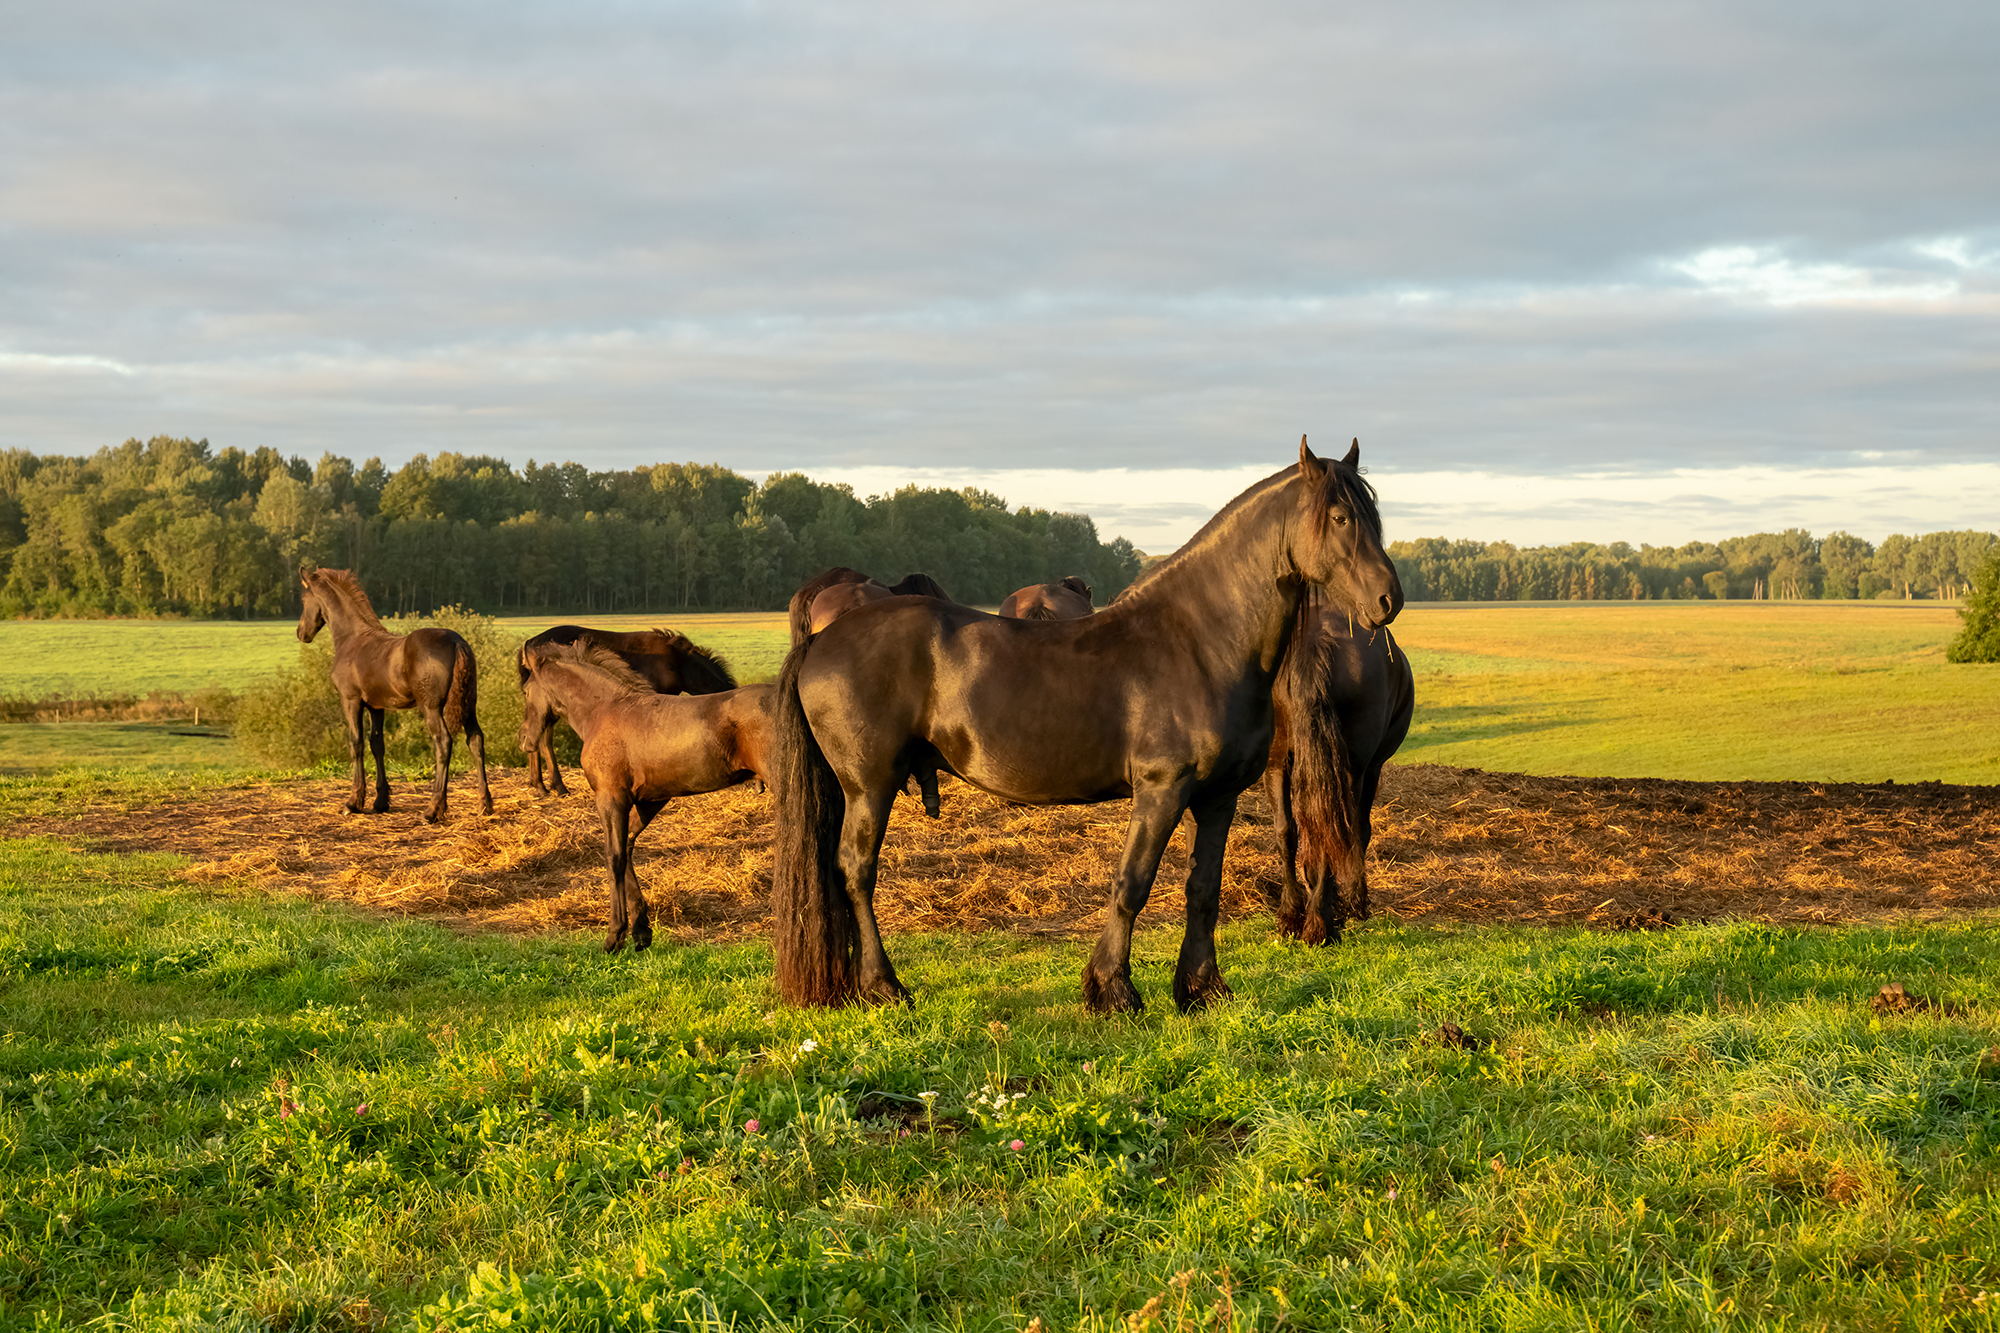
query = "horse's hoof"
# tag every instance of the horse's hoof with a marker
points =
(486, 807)
(614, 943)
(1206, 987)
(433, 816)
(1114, 996)
(642, 938)
(355, 808)
(886, 992)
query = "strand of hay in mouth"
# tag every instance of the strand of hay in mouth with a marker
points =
(1451, 844)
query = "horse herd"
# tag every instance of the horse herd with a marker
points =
(1260, 648)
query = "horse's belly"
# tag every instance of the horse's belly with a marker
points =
(1055, 776)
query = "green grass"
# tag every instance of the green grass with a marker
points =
(1700, 1129)
(1815, 691)
(29, 747)
(48, 659)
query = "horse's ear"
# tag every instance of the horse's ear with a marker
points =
(1353, 458)
(1311, 465)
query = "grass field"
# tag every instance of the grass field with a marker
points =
(220, 1108)
(1815, 691)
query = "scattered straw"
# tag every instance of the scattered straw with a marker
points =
(1450, 844)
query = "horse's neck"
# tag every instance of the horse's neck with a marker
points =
(346, 624)
(1230, 588)
(584, 696)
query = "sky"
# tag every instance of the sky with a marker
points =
(1569, 271)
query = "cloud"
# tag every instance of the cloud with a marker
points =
(1521, 242)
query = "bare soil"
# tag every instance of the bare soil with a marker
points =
(1451, 844)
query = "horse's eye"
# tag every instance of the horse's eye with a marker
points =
(1340, 519)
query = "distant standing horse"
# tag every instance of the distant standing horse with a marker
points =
(641, 749)
(375, 670)
(822, 598)
(1164, 696)
(672, 662)
(1067, 600)
(1366, 697)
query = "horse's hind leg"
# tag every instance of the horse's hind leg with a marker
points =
(475, 744)
(375, 744)
(441, 757)
(1198, 977)
(1107, 977)
(638, 909)
(355, 715)
(1291, 904)
(866, 820)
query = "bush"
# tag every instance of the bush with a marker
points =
(293, 719)
(1979, 640)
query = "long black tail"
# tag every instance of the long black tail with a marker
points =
(813, 932)
(1324, 792)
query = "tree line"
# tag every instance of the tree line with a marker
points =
(174, 527)
(1792, 564)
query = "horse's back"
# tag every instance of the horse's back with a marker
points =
(1034, 711)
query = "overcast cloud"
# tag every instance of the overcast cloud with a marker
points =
(1568, 270)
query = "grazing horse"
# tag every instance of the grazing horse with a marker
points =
(641, 749)
(1164, 696)
(1068, 600)
(672, 662)
(807, 618)
(1367, 696)
(375, 670)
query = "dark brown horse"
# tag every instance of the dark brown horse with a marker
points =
(806, 619)
(1067, 600)
(1163, 696)
(1366, 696)
(375, 670)
(641, 749)
(672, 662)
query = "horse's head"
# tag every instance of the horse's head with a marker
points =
(1337, 544)
(312, 613)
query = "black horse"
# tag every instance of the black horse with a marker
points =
(376, 670)
(672, 662)
(847, 589)
(1366, 696)
(1164, 696)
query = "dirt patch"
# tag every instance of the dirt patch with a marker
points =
(1451, 844)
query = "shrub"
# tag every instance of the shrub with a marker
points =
(1979, 639)
(293, 719)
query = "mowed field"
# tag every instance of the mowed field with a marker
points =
(1730, 691)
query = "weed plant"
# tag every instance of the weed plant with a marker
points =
(220, 1109)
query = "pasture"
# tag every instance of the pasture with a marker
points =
(1704, 691)
(221, 1107)
(263, 1064)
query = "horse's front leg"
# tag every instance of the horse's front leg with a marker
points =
(441, 757)
(375, 744)
(354, 713)
(549, 750)
(1107, 977)
(866, 820)
(635, 896)
(614, 810)
(1198, 978)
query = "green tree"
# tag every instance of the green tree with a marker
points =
(1979, 639)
